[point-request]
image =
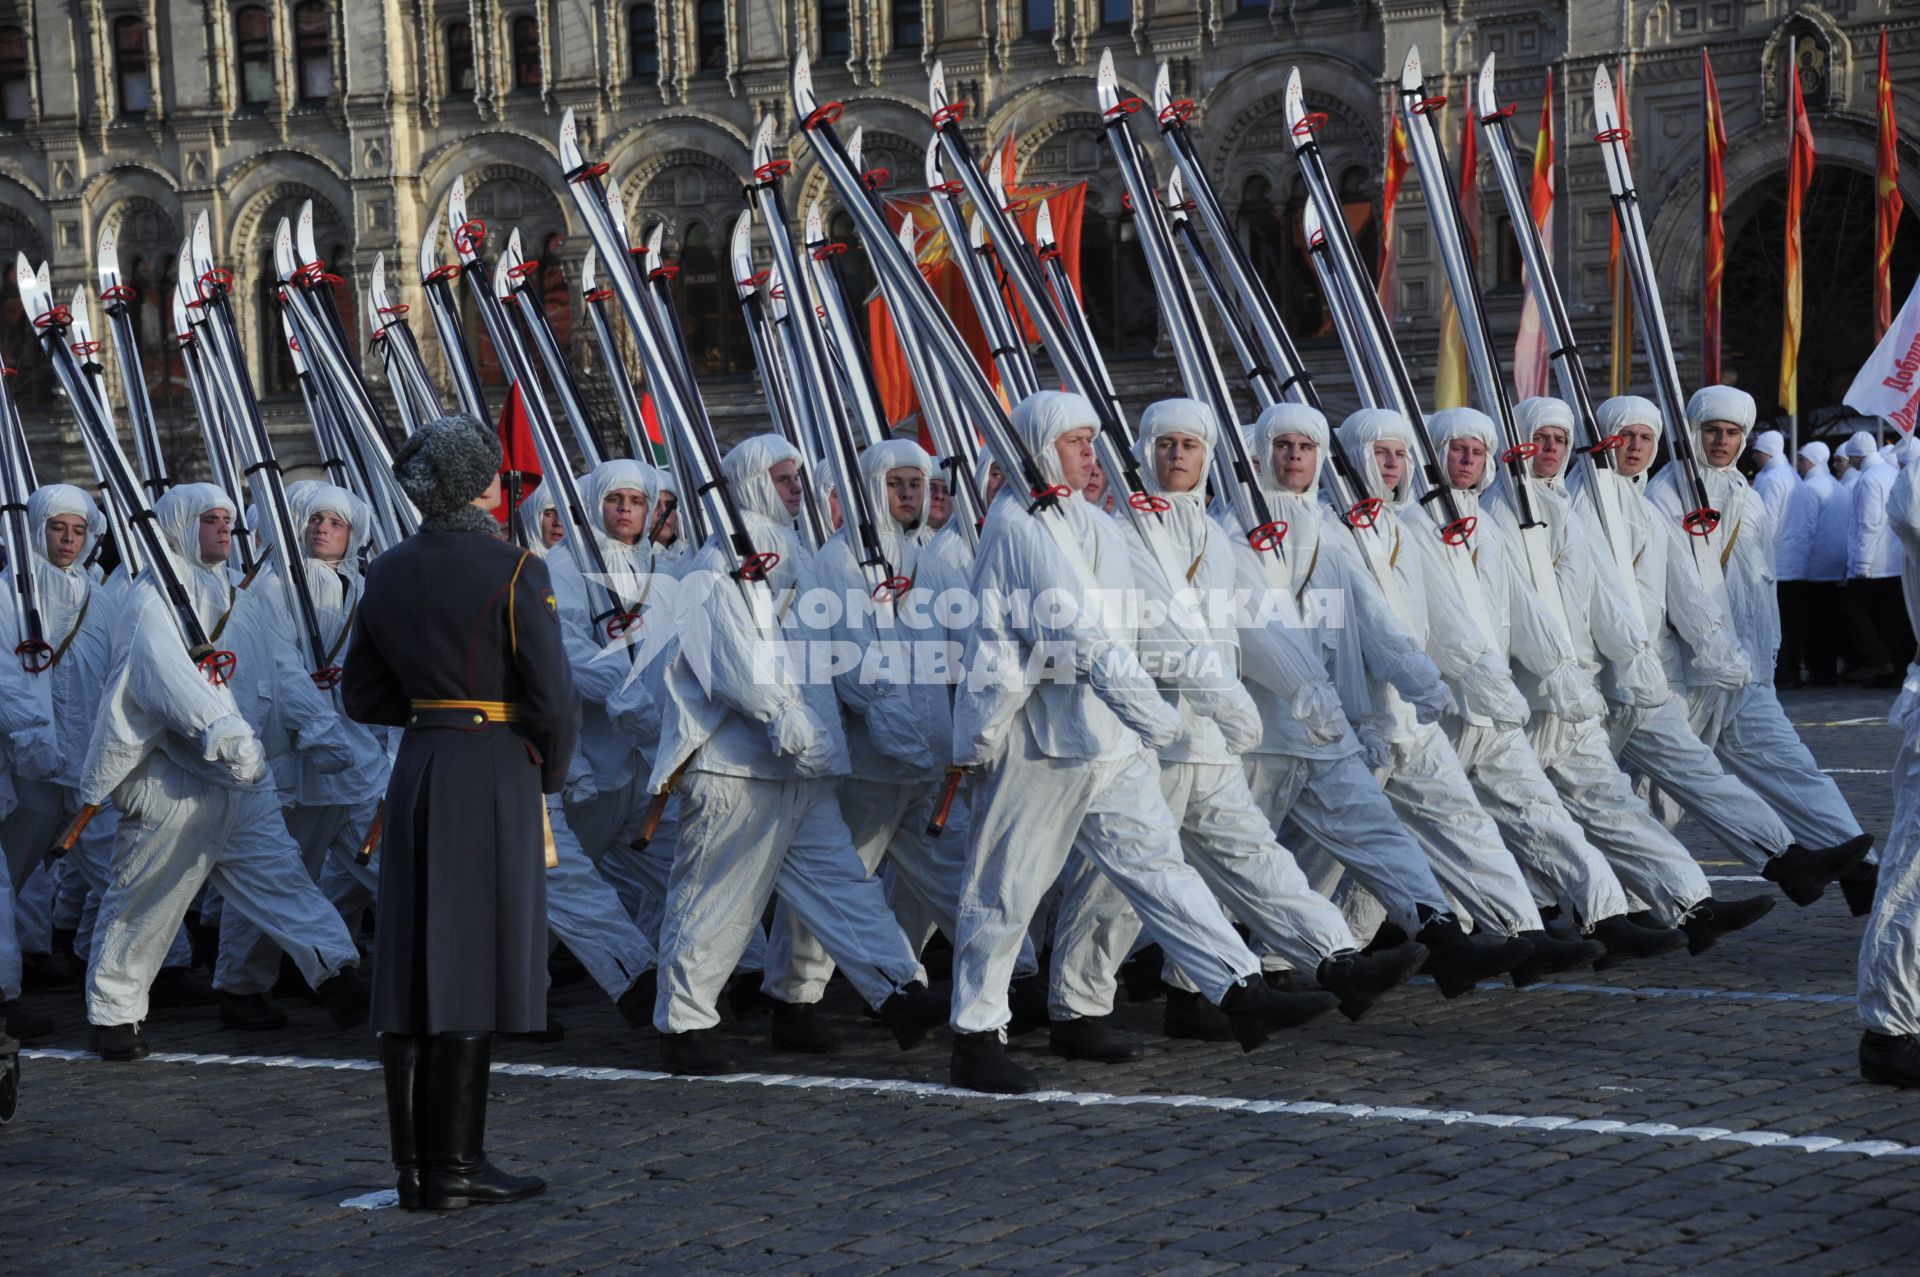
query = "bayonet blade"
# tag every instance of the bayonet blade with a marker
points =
(1410, 77)
(303, 234)
(740, 254)
(803, 100)
(1162, 90)
(1106, 84)
(107, 259)
(1489, 105)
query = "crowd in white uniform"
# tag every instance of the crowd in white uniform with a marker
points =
(1277, 814)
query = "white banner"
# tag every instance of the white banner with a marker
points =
(1888, 384)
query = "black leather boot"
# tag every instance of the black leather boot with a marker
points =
(1859, 885)
(912, 1012)
(1359, 979)
(400, 1068)
(458, 1172)
(1551, 954)
(251, 1012)
(1457, 961)
(1889, 1058)
(1027, 1003)
(1256, 1011)
(1625, 939)
(120, 1042)
(346, 997)
(1707, 921)
(1093, 1037)
(1804, 872)
(636, 1004)
(696, 1053)
(797, 1027)
(1190, 1016)
(980, 1063)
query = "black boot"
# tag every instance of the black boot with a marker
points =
(1804, 872)
(979, 1063)
(1707, 921)
(120, 1042)
(180, 987)
(696, 1053)
(1551, 955)
(50, 972)
(912, 1012)
(1624, 940)
(1457, 961)
(1027, 1003)
(1255, 1011)
(636, 1004)
(1093, 1037)
(797, 1028)
(1140, 974)
(458, 1172)
(1359, 979)
(345, 996)
(24, 1024)
(251, 1012)
(1191, 1016)
(400, 1068)
(1859, 885)
(745, 999)
(1885, 1057)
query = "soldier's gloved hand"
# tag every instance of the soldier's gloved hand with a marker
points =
(1238, 719)
(899, 735)
(231, 744)
(1487, 690)
(36, 753)
(1642, 679)
(326, 748)
(1719, 661)
(1159, 725)
(1373, 744)
(1317, 706)
(797, 733)
(1571, 697)
(1429, 702)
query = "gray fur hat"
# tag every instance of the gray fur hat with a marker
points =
(446, 464)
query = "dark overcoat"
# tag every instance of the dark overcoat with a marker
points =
(462, 924)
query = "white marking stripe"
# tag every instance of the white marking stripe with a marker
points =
(1659, 991)
(1735, 878)
(1858, 771)
(1847, 722)
(1097, 1099)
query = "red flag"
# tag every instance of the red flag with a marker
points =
(1530, 357)
(518, 457)
(1713, 261)
(1452, 386)
(1397, 162)
(1618, 284)
(1887, 214)
(1800, 157)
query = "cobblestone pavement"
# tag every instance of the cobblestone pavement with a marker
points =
(1699, 1114)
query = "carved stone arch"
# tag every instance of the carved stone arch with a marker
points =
(633, 152)
(109, 185)
(266, 169)
(143, 227)
(529, 156)
(682, 178)
(1255, 95)
(1070, 145)
(1824, 52)
(1257, 141)
(22, 232)
(250, 255)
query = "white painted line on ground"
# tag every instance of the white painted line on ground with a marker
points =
(379, 1199)
(1847, 722)
(1857, 771)
(1661, 991)
(1098, 1099)
(1735, 878)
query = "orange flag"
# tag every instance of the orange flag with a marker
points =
(1887, 214)
(1389, 196)
(1531, 362)
(1452, 385)
(1800, 159)
(1618, 284)
(1713, 261)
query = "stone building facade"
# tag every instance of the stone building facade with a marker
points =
(141, 115)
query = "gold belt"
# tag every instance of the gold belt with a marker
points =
(482, 711)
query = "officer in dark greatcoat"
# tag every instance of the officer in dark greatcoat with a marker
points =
(456, 641)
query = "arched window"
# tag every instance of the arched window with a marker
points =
(643, 42)
(1036, 18)
(312, 52)
(526, 55)
(253, 43)
(132, 79)
(16, 91)
(709, 307)
(713, 35)
(459, 59)
(1114, 284)
(909, 24)
(836, 37)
